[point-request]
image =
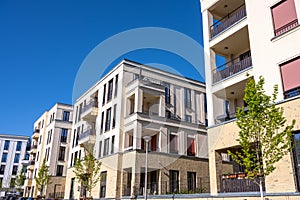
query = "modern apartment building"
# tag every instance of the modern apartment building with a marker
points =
(13, 149)
(130, 102)
(259, 38)
(49, 141)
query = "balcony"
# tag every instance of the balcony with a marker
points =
(292, 93)
(36, 133)
(33, 149)
(87, 137)
(90, 111)
(226, 22)
(25, 162)
(146, 82)
(238, 183)
(232, 67)
(31, 165)
(286, 27)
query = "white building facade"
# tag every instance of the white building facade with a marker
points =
(130, 102)
(13, 150)
(258, 38)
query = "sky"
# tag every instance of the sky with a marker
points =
(43, 44)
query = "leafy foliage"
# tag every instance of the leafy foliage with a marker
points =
(43, 177)
(20, 179)
(87, 171)
(264, 135)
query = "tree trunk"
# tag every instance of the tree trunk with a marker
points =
(261, 188)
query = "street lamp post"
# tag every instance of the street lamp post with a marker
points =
(147, 139)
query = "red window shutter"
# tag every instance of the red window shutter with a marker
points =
(153, 143)
(290, 74)
(283, 13)
(191, 146)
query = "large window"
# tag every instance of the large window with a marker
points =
(174, 181)
(15, 170)
(191, 146)
(103, 184)
(110, 90)
(187, 98)
(116, 85)
(4, 157)
(66, 116)
(100, 149)
(167, 93)
(284, 16)
(102, 122)
(6, 145)
(104, 93)
(106, 147)
(290, 77)
(19, 146)
(112, 144)
(173, 143)
(17, 158)
(108, 119)
(64, 135)
(61, 155)
(191, 176)
(114, 116)
(59, 170)
(2, 169)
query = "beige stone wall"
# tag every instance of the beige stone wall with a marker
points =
(57, 184)
(224, 136)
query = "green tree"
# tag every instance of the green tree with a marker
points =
(43, 177)
(264, 136)
(87, 172)
(20, 179)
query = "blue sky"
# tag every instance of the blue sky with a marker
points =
(43, 44)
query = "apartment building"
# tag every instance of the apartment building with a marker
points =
(130, 102)
(12, 150)
(50, 141)
(256, 38)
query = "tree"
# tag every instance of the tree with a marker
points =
(20, 179)
(264, 135)
(43, 177)
(87, 171)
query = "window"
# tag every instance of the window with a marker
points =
(116, 85)
(12, 182)
(61, 154)
(100, 150)
(40, 139)
(15, 170)
(173, 143)
(19, 146)
(167, 93)
(188, 118)
(2, 169)
(106, 147)
(48, 153)
(59, 170)
(64, 135)
(290, 77)
(191, 147)
(6, 145)
(38, 155)
(66, 116)
(77, 136)
(103, 184)
(49, 136)
(174, 181)
(284, 16)
(102, 122)
(108, 119)
(17, 158)
(114, 116)
(191, 176)
(110, 90)
(112, 144)
(26, 156)
(187, 98)
(76, 114)
(4, 157)
(104, 93)
(71, 161)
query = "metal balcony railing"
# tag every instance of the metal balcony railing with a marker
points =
(286, 27)
(90, 105)
(232, 67)
(226, 22)
(86, 133)
(292, 93)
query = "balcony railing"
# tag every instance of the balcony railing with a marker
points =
(90, 105)
(292, 93)
(286, 27)
(34, 146)
(228, 21)
(86, 133)
(31, 162)
(232, 67)
(238, 183)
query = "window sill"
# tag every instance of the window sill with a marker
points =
(278, 37)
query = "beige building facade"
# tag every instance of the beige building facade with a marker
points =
(257, 38)
(50, 141)
(130, 102)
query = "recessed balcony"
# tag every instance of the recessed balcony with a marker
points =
(87, 137)
(232, 67)
(36, 133)
(146, 83)
(90, 111)
(31, 165)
